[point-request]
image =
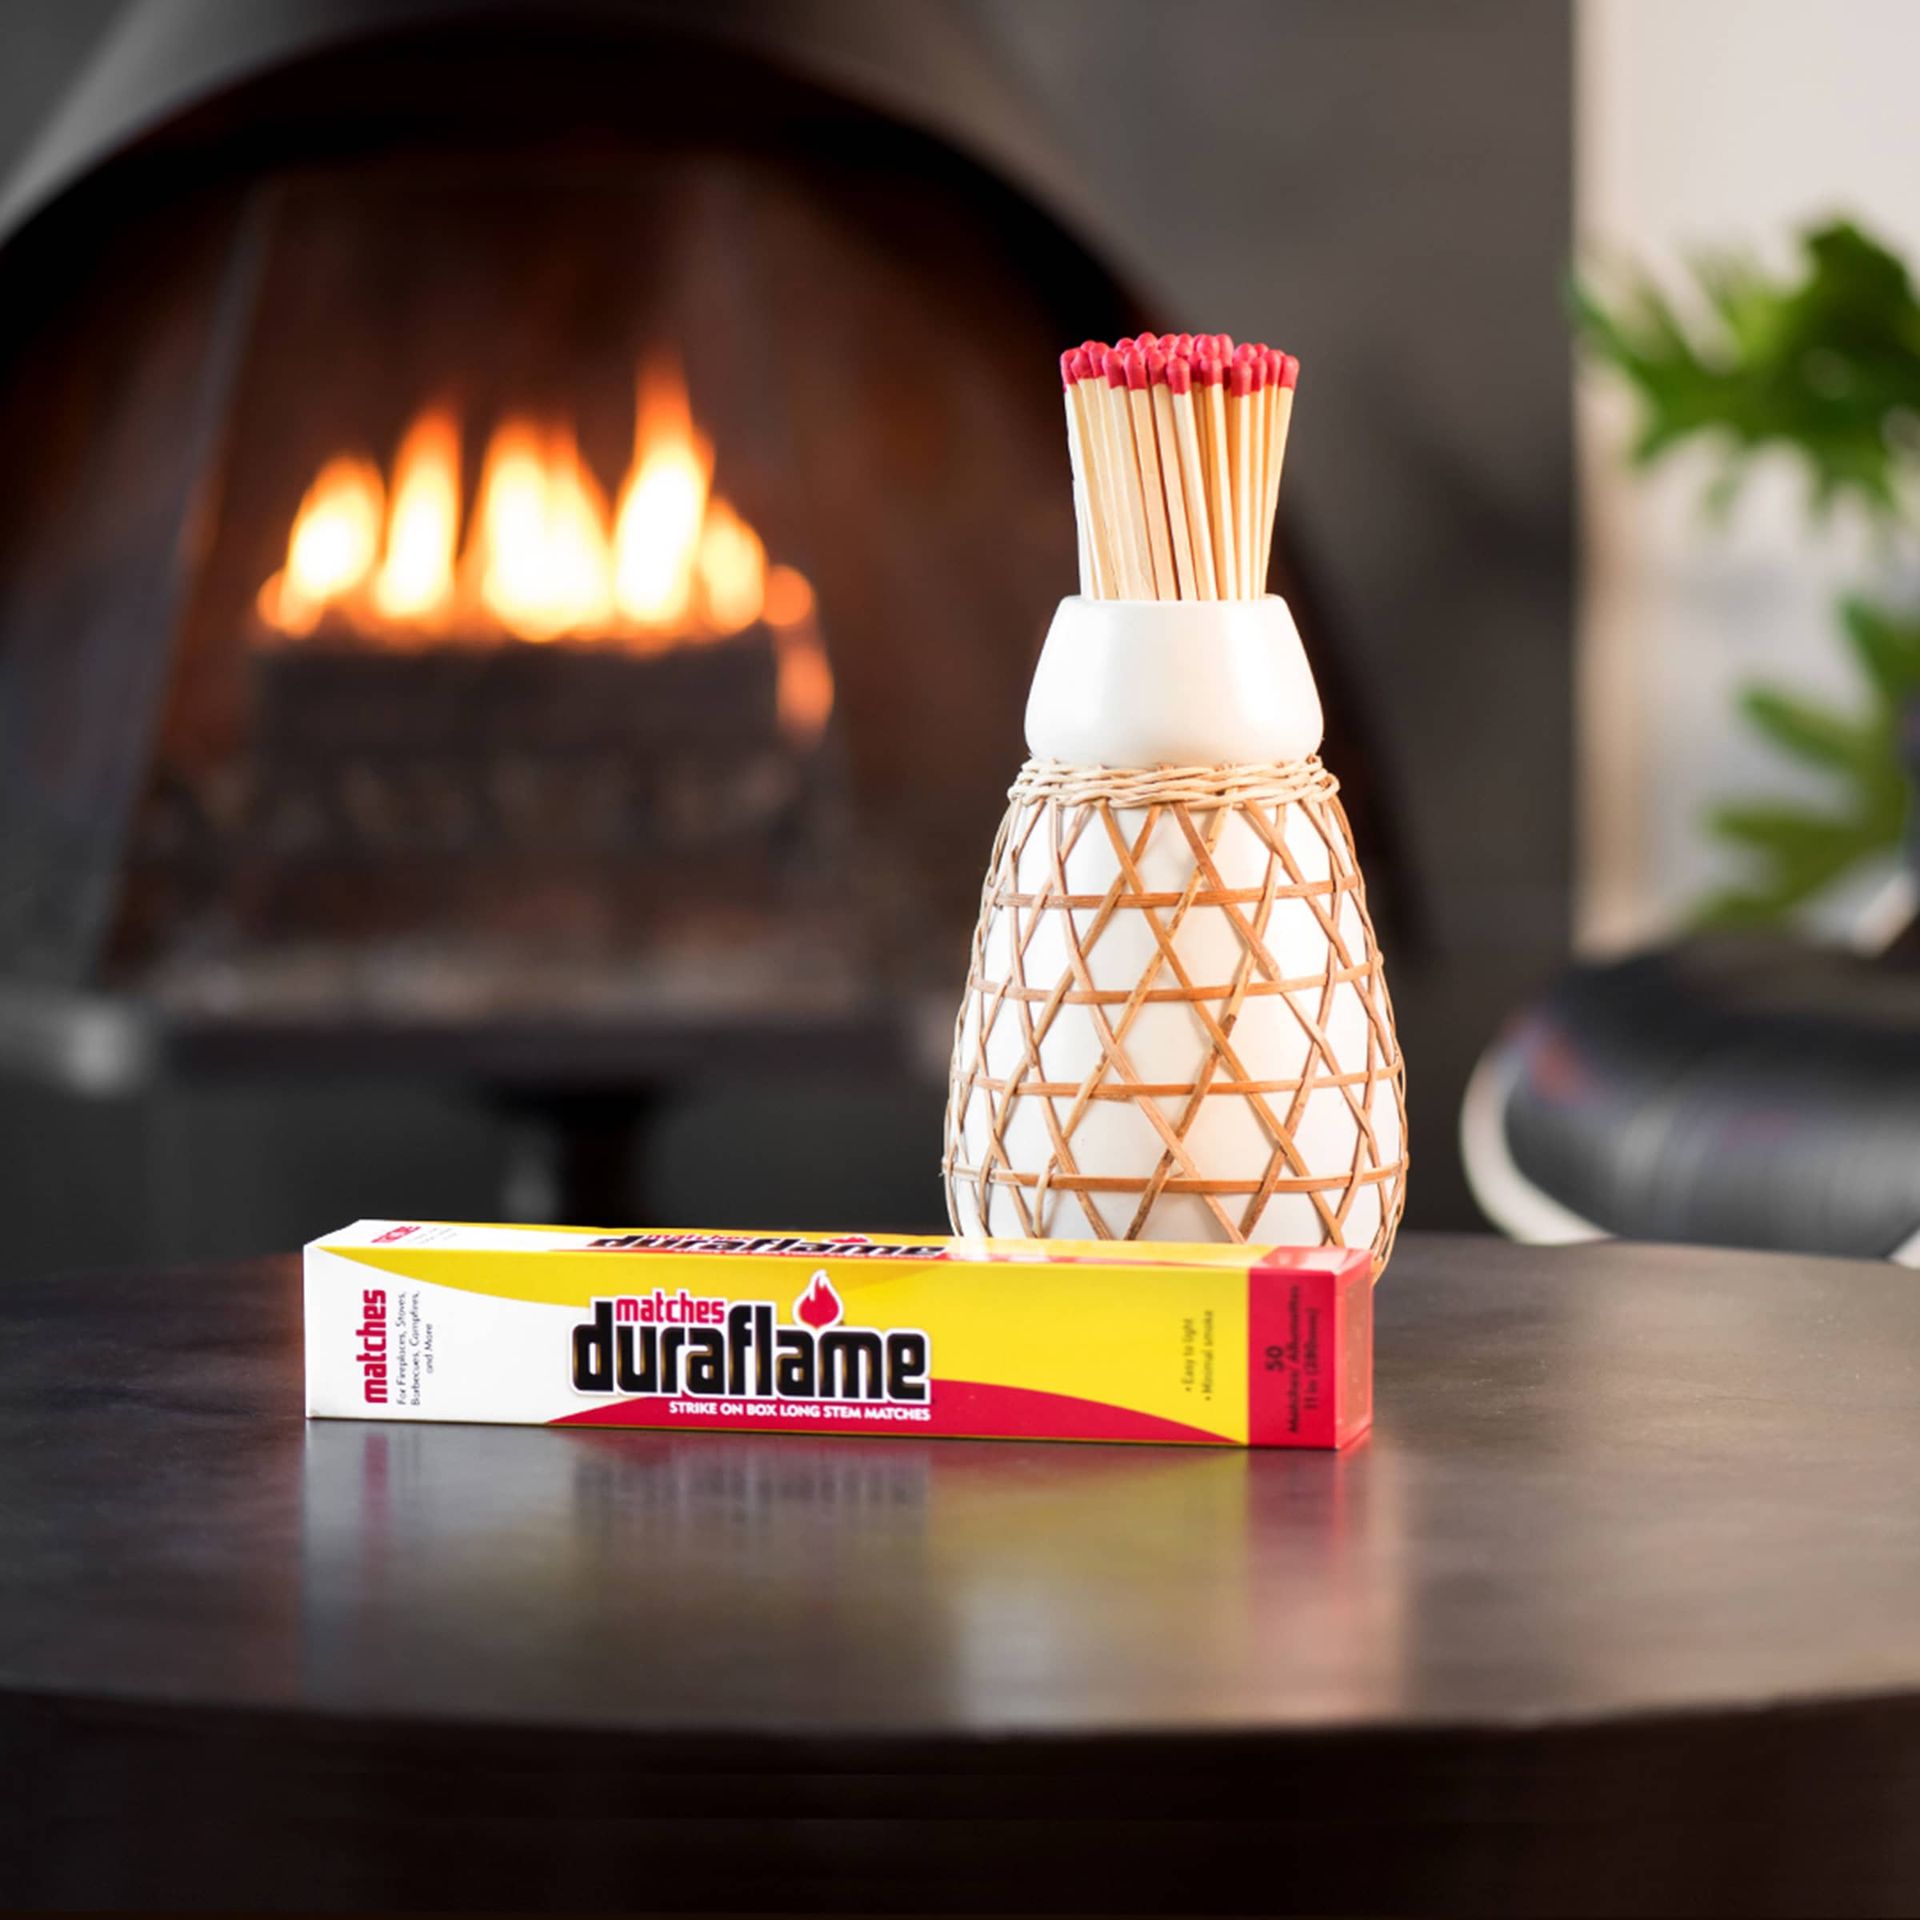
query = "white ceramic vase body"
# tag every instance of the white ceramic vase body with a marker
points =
(1150, 1047)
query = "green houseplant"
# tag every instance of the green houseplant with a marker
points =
(1825, 364)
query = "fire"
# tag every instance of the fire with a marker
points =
(731, 568)
(804, 683)
(539, 551)
(335, 542)
(543, 555)
(415, 580)
(663, 507)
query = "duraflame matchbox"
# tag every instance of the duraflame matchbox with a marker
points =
(841, 1333)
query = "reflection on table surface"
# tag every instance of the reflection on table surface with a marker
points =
(858, 1581)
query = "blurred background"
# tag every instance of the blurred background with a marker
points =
(392, 821)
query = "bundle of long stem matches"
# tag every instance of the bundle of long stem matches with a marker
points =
(1177, 441)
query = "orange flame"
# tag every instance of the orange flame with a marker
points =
(335, 541)
(545, 558)
(731, 567)
(415, 581)
(663, 505)
(538, 551)
(803, 685)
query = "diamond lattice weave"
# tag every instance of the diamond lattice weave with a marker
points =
(1176, 1024)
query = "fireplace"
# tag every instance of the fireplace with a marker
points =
(499, 686)
(541, 520)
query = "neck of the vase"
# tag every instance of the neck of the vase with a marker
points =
(1173, 683)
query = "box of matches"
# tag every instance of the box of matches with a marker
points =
(841, 1333)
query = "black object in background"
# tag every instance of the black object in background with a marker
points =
(1749, 1093)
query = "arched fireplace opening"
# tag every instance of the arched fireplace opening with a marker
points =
(538, 522)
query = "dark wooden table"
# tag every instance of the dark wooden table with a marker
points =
(1618, 1609)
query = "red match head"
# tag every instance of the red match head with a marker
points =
(1067, 374)
(1179, 374)
(1240, 379)
(1096, 352)
(1117, 365)
(1290, 370)
(1136, 366)
(1157, 365)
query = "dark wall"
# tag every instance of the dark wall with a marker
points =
(45, 43)
(1385, 188)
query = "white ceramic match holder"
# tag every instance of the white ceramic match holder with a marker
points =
(1176, 1025)
(1173, 683)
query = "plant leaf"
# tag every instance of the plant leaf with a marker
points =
(1801, 854)
(1797, 852)
(1825, 364)
(1812, 732)
(1887, 647)
(1822, 362)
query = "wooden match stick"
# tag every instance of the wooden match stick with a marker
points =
(1213, 445)
(1099, 560)
(1126, 472)
(1194, 490)
(1270, 363)
(1173, 488)
(1240, 453)
(1288, 377)
(1262, 456)
(1076, 460)
(1129, 567)
(1153, 499)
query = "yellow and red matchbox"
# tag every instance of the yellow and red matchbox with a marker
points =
(841, 1333)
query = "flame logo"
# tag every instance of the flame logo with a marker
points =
(819, 1306)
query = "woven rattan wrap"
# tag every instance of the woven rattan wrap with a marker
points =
(1172, 820)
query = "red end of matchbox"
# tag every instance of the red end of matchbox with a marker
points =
(1310, 1348)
